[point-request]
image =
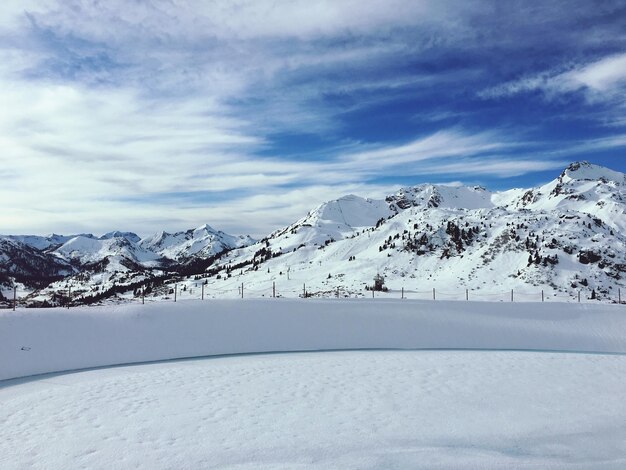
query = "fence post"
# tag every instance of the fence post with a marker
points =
(274, 289)
(14, 297)
(202, 290)
(466, 294)
(578, 296)
(242, 290)
(337, 292)
(434, 298)
(304, 291)
(542, 295)
(619, 296)
(511, 295)
(403, 292)
(372, 292)
(69, 296)
(143, 296)
(175, 291)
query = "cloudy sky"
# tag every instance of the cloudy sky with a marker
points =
(244, 114)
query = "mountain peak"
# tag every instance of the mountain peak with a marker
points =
(133, 237)
(585, 171)
(205, 228)
(439, 195)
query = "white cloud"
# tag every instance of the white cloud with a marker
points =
(501, 166)
(602, 76)
(601, 80)
(449, 143)
(81, 159)
(113, 115)
(237, 19)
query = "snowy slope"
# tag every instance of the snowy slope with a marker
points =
(582, 187)
(333, 220)
(426, 239)
(442, 196)
(21, 261)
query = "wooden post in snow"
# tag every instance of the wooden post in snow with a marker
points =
(542, 295)
(242, 290)
(511, 295)
(578, 296)
(402, 293)
(434, 298)
(175, 291)
(274, 289)
(202, 290)
(69, 296)
(14, 297)
(466, 294)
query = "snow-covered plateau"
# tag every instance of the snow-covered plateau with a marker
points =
(560, 241)
(375, 384)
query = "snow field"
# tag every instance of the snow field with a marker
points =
(357, 409)
(38, 341)
(381, 404)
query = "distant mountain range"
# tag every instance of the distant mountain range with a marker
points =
(35, 260)
(563, 236)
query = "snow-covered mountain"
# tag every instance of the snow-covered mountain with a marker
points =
(25, 264)
(564, 236)
(441, 196)
(97, 263)
(330, 221)
(130, 236)
(581, 187)
(82, 250)
(44, 243)
(203, 241)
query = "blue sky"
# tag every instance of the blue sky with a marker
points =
(245, 114)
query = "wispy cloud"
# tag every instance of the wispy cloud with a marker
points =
(163, 114)
(600, 79)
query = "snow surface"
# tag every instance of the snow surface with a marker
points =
(336, 409)
(36, 341)
(383, 409)
(443, 196)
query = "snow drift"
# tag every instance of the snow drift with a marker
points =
(38, 341)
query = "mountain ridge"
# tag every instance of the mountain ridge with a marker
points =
(565, 234)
